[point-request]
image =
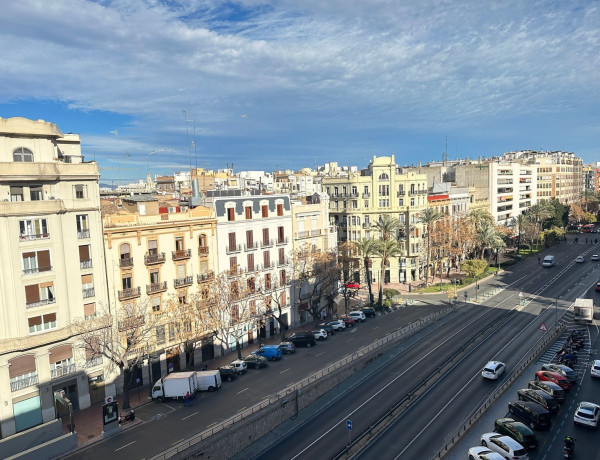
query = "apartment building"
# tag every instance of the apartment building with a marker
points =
(591, 178)
(512, 190)
(156, 259)
(52, 272)
(357, 201)
(254, 239)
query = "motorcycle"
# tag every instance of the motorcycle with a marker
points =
(129, 417)
(569, 447)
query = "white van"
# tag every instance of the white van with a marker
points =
(548, 261)
(208, 380)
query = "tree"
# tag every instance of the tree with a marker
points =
(428, 217)
(518, 223)
(386, 249)
(367, 248)
(488, 238)
(274, 299)
(474, 268)
(121, 338)
(576, 214)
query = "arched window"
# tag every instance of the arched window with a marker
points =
(125, 251)
(384, 176)
(23, 154)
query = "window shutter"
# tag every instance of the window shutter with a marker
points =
(251, 262)
(231, 240)
(180, 271)
(265, 236)
(84, 252)
(43, 259)
(27, 255)
(86, 279)
(61, 353)
(89, 309)
(266, 258)
(32, 293)
(21, 366)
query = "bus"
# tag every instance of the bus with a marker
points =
(589, 228)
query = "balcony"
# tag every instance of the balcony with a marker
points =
(35, 236)
(61, 371)
(303, 234)
(505, 172)
(129, 293)
(268, 265)
(18, 383)
(93, 362)
(422, 192)
(125, 262)
(152, 259)
(182, 254)
(284, 240)
(366, 195)
(204, 277)
(523, 180)
(366, 224)
(88, 293)
(83, 234)
(267, 244)
(153, 288)
(203, 251)
(230, 249)
(83, 264)
(31, 271)
(251, 247)
(41, 302)
(504, 181)
(180, 282)
(130, 323)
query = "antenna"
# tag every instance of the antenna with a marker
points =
(445, 155)
(187, 129)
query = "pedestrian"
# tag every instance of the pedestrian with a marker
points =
(186, 399)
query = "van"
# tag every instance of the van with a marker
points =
(209, 380)
(548, 261)
(271, 352)
(531, 413)
(548, 387)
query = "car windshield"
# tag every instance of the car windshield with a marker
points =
(520, 452)
(585, 414)
(489, 369)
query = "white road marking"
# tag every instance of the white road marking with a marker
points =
(191, 415)
(123, 447)
(285, 370)
(319, 354)
(239, 392)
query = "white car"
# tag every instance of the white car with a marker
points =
(483, 453)
(320, 334)
(493, 370)
(595, 257)
(357, 316)
(595, 370)
(580, 260)
(505, 446)
(587, 414)
(239, 365)
(337, 325)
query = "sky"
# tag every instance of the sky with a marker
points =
(159, 86)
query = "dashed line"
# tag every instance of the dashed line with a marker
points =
(123, 447)
(285, 370)
(242, 390)
(191, 415)
(319, 354)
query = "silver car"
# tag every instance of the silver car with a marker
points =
(320, 334)
(337, 325)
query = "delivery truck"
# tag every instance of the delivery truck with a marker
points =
(175, 386)
(583, 310)
(209, 380)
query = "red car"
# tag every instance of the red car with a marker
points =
(352, 286)
(554, 377)
(348, 321)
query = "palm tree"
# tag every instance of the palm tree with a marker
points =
(518, 223)
(488, 237)
(367, 248)
(386, 249)
(429, 216)
(540, 212)
(387, 226)
(479, 216)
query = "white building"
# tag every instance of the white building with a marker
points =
(512, 188)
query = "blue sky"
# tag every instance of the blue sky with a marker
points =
(288, 84)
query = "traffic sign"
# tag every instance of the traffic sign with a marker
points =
(543, 327)
(349, 425)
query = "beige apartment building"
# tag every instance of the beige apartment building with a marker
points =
(155, 259)
(358, 200)
(52, 272)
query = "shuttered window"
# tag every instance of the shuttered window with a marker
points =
(84, 253)
(267, 258)
(32, 293)
(61, 353)
(251, 262)
(21, 365)
(232, 241)
(89, 309)
(265, 236)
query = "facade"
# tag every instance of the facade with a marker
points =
(254, 239)
(256, 180)
(512, 190)
(359, 200)
(52, 272)
(591, 178)
(166, 184)
(155, 259)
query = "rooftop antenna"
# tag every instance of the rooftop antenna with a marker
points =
(445, 155)
(187, 129)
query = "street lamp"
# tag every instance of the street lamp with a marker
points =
(476, 290)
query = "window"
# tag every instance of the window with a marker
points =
(233, 264)
(154, 277)
(280, 235)
(42, 323)
(248, 210)
(412, 201)
(181, 271)
(126, 282)
(282, 299)
(79, 192)
(83, 230)
(268, 281)
(179, 243)
(230, 214)
(152, 247)
(89, 310)
(281, 256)
(412, 189)
(160, 334)
(282, 277)
(250, 262)
(23, 155)
(155, 304)
(35, 193)
(265, 236)
(384, 176)
(267, 259)
(16, 193)
(39, 294)
(181, 297)
(280, 210)
(251, 282)
(384, 190)
(265, 210)
(249, 238)
(401, 202)
(253, 307)
(232, 242)
(36, 261)
(85, 259)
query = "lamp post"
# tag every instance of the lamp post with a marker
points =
(466, 295)
(476, 290)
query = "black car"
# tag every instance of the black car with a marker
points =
(303, 339)
(369, 312)
(256, 361)
(516, 430)
(540, 397)
(228, 373)
(534, 415)
(328, 328)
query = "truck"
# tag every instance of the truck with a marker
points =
(208, 380)
(175, 386)
(583, 310)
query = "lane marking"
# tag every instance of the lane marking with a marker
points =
(191, 415)
(239, 392)
(285, 370)
(319, 354)
(123, 447)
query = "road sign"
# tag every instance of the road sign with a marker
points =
(543, 327)
(349, 425)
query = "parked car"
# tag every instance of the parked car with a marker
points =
(516, 430)
(579, 260)
(239, 365)
(287, 348)
(493, 370)
(328, 328)
(228, 373)
(348, 320)
(559, 379)
(352, 286)
(320, 334)
(597, 287)
(369, 312)
(587, 414)
(357, 316)
(566, 371)
(504, 445)
(337, 325)
(271, 352)
(303, 339)
(542, 398)
(595, 257)
(550, 388)
(256, 361)
(483, 453)
(595, 370)
(534, 415)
